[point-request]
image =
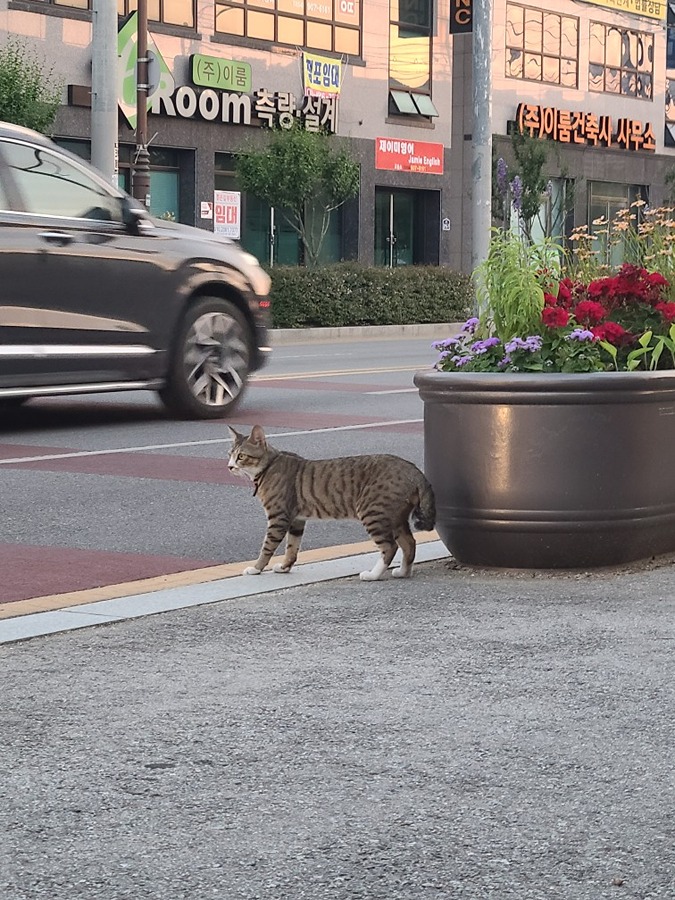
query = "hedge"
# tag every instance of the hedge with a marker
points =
(347, 294)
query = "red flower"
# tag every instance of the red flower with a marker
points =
(554, 316)
(657, 279)
(667, 310)
(549, 299)
(611, 332)
(565, 290)
(589, 312)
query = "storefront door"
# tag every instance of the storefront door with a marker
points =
(395, 214)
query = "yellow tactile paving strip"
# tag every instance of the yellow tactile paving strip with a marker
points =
(179, 579)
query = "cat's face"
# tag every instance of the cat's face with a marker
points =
(247, 456)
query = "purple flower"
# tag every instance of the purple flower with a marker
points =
(581, 334)
(469, 327)
(446, 344)
(531, 344)
(502, 175)
(503, 363)
(517, 193)
(460, 361)
(483, 346)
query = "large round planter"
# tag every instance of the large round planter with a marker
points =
(551, 471)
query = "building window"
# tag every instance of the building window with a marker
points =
(605, 200)
(541, 46)
(410, 58)
(621, 61)
(169, 12)
(333, 25)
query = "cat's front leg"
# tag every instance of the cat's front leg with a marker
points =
(277, 527)
(295, 533)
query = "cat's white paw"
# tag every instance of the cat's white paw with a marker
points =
(401, 573)
(280, 567)
(251, 570)
(370, 576)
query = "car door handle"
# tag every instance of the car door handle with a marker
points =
(57, 237)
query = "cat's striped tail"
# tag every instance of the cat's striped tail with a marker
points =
(424, 513)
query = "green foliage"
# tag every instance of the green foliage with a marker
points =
(510, 284)
(300, 174)
(648, 352)
(531, 154)
(28, 96)
(348, 294)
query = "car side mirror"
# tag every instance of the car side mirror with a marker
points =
(135, 216)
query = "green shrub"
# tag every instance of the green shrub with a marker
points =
(348, 294)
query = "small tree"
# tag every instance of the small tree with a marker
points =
(28, 96)
(300, 174)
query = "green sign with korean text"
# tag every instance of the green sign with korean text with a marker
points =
(159, 74)
(224, 74)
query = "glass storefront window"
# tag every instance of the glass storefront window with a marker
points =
(605, 200)
(266, 232)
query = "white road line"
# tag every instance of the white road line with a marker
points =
(149, 447)
(394, 391)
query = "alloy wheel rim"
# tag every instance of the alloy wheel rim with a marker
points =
(216, 359)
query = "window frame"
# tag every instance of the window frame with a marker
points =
(543, 56)
(621, 69)
(249, 7)
(396, 87)
(67, 8)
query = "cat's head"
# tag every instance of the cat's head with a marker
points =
(249, 455)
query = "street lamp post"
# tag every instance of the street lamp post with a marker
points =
(140, 178)
(104, 88)
(481, 163)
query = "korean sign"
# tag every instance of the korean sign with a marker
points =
(408, 156)
(159, 75)
(321, 76)
(227, 214)
(584, 129)
(225, 74)
(652, 9)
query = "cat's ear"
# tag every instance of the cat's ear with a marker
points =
(257, 436)
(236, 437)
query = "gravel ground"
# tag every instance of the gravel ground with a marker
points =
(464, 734)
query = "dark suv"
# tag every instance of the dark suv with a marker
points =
(99, 296)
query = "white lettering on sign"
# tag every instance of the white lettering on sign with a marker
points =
(347, 6)
(234, 108)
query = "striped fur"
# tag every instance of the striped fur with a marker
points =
(383, 492)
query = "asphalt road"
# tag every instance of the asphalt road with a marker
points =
(106, 489)
(460, 735)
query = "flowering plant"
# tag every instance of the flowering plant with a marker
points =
(534, 318)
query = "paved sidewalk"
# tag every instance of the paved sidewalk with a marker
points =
(464, 734)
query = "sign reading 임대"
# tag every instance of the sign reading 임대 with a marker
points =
(227, 214)
(408, 156)
(321, 76)
(224, 74)
(583, 128)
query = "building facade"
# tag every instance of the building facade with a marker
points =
(391, 79)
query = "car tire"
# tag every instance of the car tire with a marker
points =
(210, 363)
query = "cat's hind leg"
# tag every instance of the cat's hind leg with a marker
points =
(383, 536)
(293, 541)
(406, 541)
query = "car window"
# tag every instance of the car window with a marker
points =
(4, 202)
(51, 185)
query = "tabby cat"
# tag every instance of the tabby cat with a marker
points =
(381, 491)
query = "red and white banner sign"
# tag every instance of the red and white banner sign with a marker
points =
(408, 156)
(227, 213)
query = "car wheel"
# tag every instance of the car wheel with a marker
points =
(211, 361)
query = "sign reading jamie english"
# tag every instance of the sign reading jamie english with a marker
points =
(227, 214)
(224, 74)
(409, 156)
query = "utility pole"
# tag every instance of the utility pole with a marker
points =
(140, 177)
(104, 88)
(481, 163)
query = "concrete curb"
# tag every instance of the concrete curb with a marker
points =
(283, 336)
